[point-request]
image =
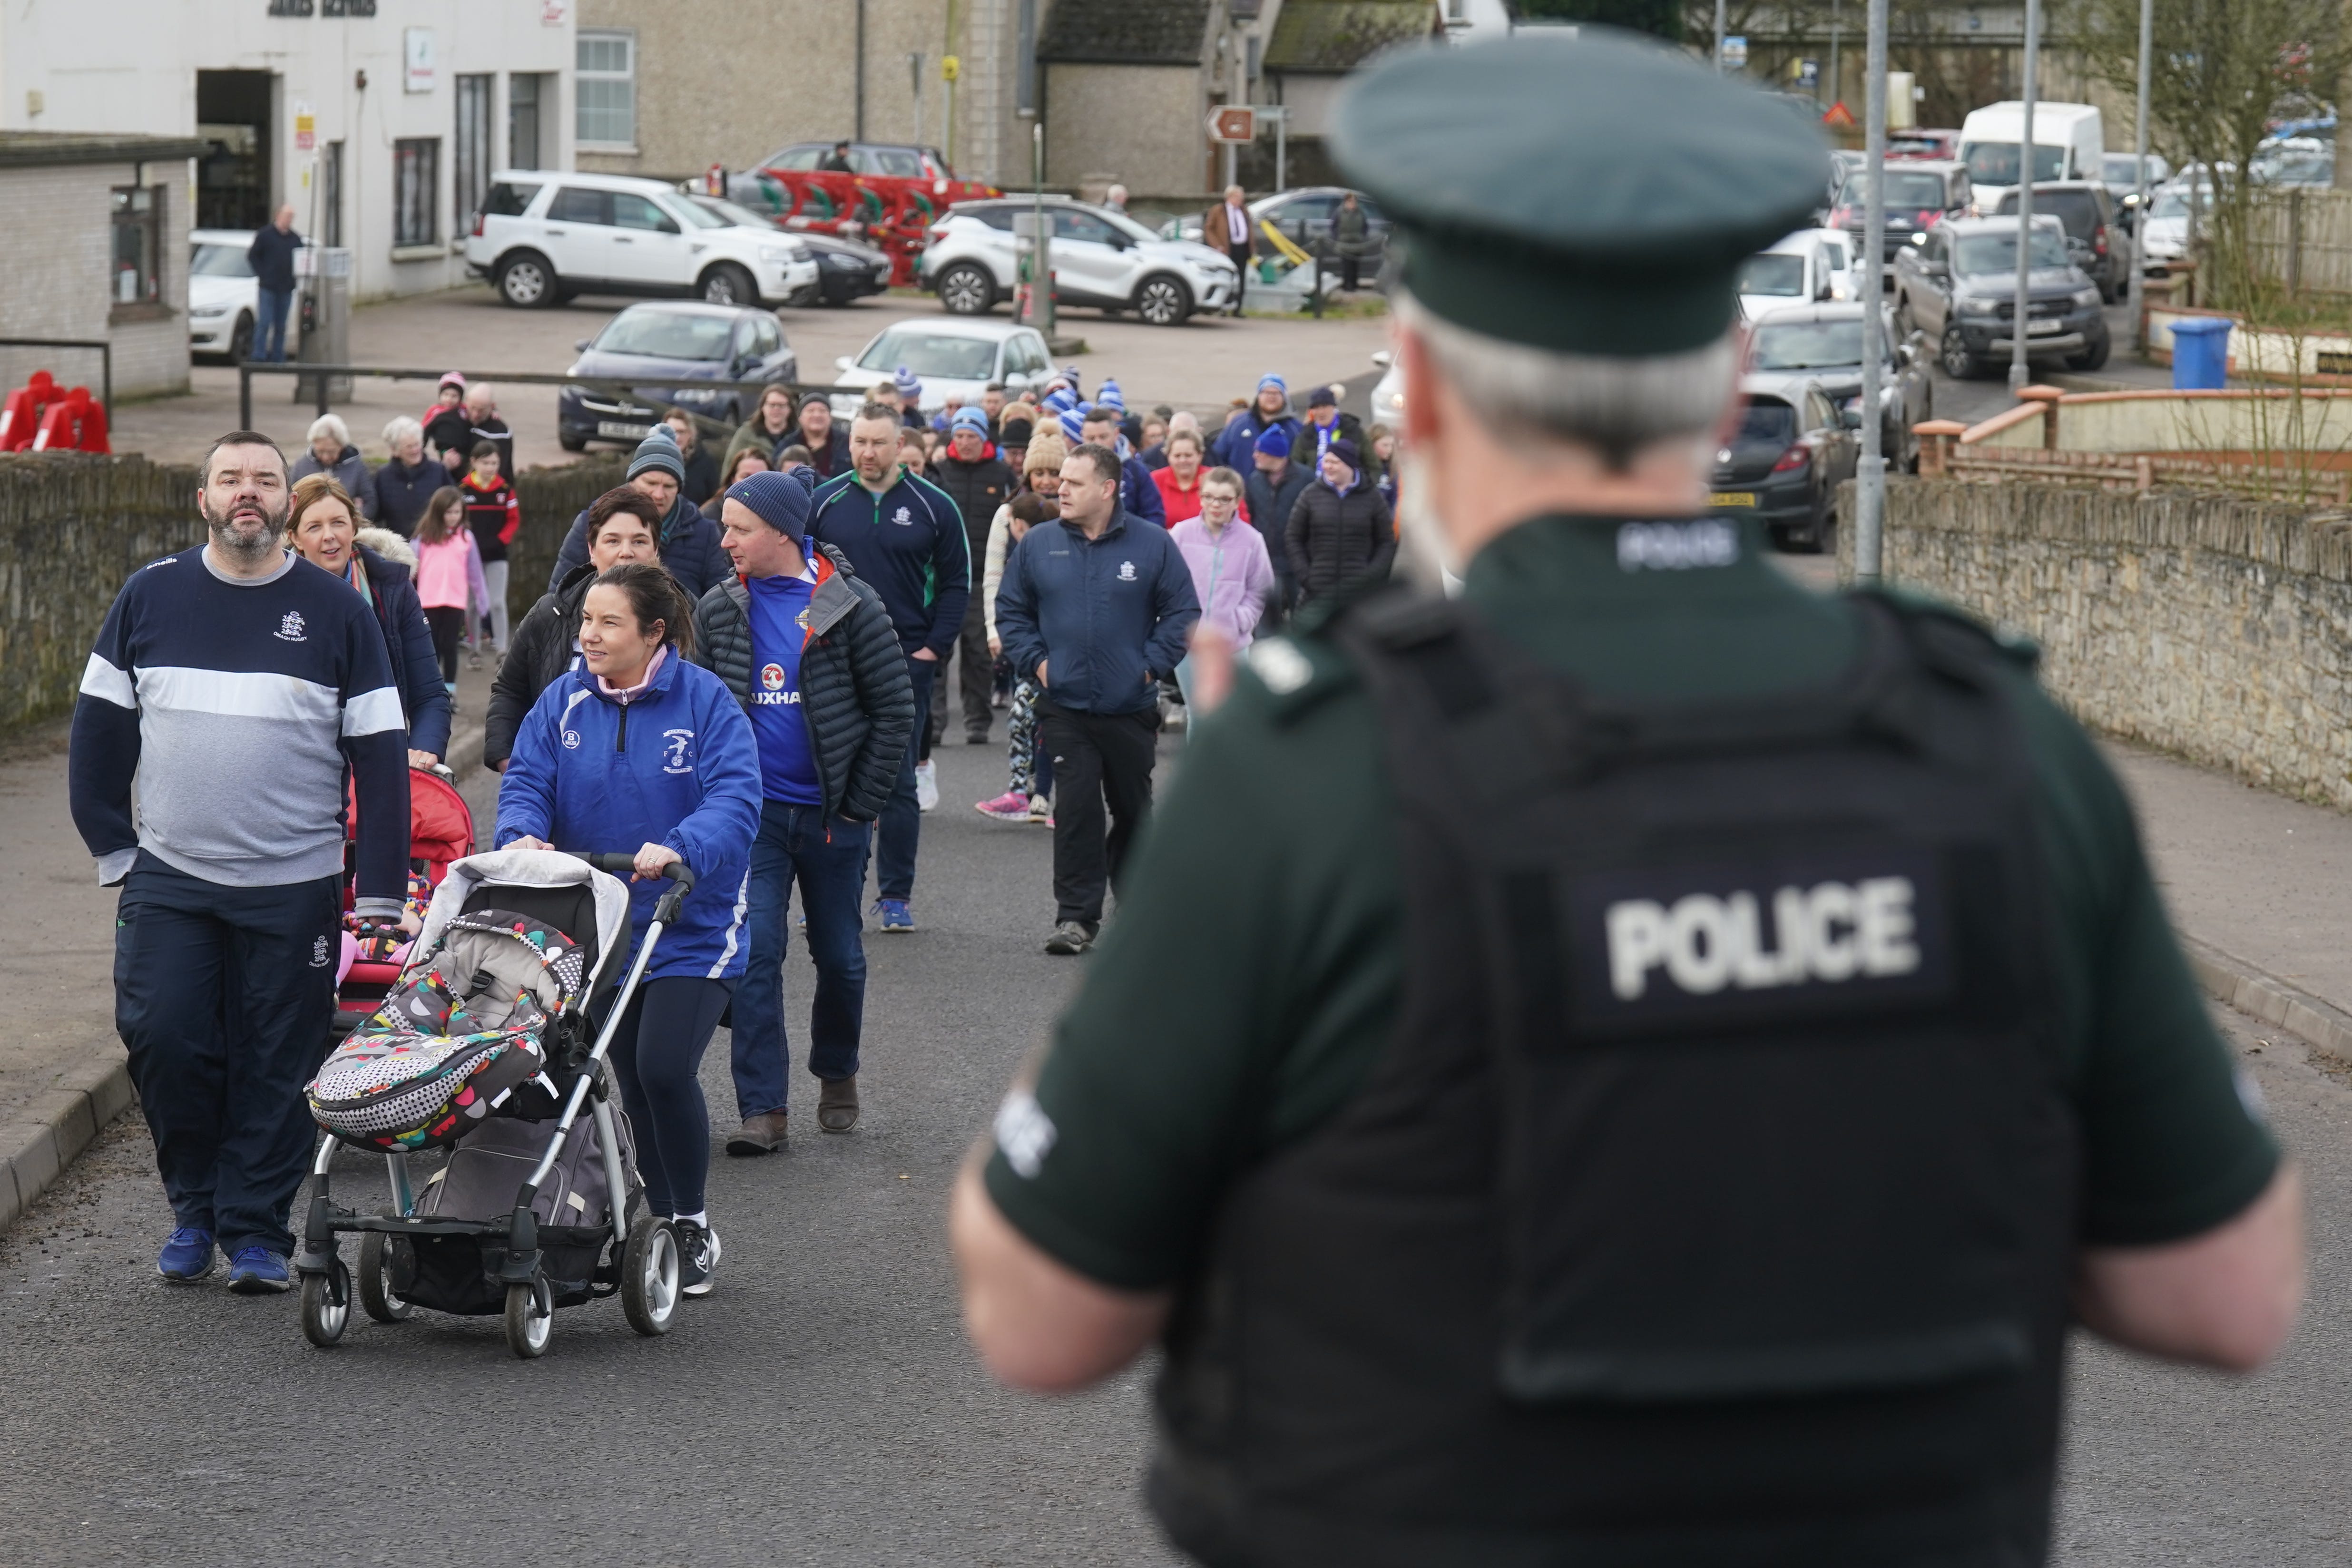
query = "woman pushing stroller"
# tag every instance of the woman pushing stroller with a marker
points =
(639, 752)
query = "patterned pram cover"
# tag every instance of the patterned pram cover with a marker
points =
(454, 1039)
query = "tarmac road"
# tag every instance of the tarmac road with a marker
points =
(822, 1407)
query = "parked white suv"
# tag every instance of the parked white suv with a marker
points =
(1100, 257)
(544, 236)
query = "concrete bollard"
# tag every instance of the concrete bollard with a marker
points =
(1936, 438)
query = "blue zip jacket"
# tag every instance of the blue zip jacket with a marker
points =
(1139, 495)
(1109, 616)
(676, 766)
(909, 545)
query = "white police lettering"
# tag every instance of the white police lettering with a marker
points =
(1023, 1132)
(1277, 662)
(1676, 546)
(1830, 931)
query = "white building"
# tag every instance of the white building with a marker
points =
(379, 119)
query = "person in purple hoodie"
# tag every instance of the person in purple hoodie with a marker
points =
(1232, 571)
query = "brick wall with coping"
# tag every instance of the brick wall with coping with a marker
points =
(2214, 627)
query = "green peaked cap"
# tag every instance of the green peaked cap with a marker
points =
(1591, 194)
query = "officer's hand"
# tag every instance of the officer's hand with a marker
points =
(651, 858)
(1212, 668)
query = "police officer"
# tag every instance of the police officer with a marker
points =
(1663, 1056)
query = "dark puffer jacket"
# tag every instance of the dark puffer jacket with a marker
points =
(540, 651)
(1334, 540)
(978, 489)
(856, 697)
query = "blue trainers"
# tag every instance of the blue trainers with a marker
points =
(257, 1272)
(896, 915)
(187, 1257)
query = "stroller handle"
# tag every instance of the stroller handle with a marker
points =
(678, 871)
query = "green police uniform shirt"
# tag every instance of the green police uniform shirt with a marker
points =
(1254, 974)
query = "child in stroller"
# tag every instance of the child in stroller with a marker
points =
(482, 1039)
(440, 832)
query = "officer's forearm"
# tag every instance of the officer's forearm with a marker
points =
(1038, 1325)
(2225, 1298)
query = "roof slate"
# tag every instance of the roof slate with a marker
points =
(1333, 37)
(1126, 32)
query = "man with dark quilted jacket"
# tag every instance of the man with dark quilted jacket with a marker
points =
(811, 654)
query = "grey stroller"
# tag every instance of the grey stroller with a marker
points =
(484, 1047)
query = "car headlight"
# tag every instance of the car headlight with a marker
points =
(1968, 306)
(2087, 299)
(781, 255)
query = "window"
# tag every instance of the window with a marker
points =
(530, 96)
(928, 352)
(767, 338)
(1996, 252)
(800, 160)
(507, 199)
(1069, 224)
(663, 334)
(138, 245)
(415, 182)
(1766, 421)
(580, 204)
(607, 76)
(1774, 272)
(474, 139)
(635, 212)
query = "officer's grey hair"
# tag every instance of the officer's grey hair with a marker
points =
(1616, 407)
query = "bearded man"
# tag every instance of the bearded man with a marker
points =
(237, 685)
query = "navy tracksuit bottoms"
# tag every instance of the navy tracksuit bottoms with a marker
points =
(224, 995)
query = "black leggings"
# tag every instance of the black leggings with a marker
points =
(449, 624)
(658, 1054)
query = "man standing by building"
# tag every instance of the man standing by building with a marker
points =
(1228, 227)
(902, 536)
(810, 653)
(272, 257)
(1096, 607)
(1676, 1053)
(1351, 237)
(239, 687)
(976, 478)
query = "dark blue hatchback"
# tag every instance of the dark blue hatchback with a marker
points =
(671, 344)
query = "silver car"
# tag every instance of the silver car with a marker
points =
(1100, 258)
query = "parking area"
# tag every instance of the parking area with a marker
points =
(1198, 366)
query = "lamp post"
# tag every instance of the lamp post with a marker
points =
(1718, 37)
(2019, 372)
(2140, 147)
(1870, 472)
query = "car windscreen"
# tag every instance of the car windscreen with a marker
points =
(2121, 169)
(1766, 421)
(731, 212)
(1773, 274)
(898, 163)
(928, 352)
(1981, 253)
(692, 215)
(1809, 345)
(665, 334)
(1923, 192)
(1995, 162)
(219, 261)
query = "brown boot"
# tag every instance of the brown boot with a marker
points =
(762, 1134)
(837, 1104)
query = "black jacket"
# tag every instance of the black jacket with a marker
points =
(701, 475)
(1334, 540)
(402, 491)
(1307, 446)
(272, 257)
(978, 489)
(1271, 503)
(832, 454)
(450, 429)
(409, 642)
(856, 695)
(689, 548)
(541, 650)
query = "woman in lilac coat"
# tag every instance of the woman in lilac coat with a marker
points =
(1233, 573)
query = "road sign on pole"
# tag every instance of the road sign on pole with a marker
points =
(1735, 53)
(1232, 124)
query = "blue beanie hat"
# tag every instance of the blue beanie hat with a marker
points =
(1274, 381)
(1112, 395)
(658, 450)
(969, 419)
(1274, 441)
(1073, 425)
(908, 383)
(1060, 398)
(780, 499)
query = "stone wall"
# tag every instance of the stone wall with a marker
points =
(58, 271)
(73, 528)
(2217, 628)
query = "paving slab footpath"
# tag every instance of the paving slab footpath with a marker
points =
(2260, 886)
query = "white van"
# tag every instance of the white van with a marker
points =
(2069, 141)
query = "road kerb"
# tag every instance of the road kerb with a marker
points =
(2312, 1019)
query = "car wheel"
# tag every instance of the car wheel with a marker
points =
(2092, 358)
(1163, 300)
(526, 281)
(728, 284)
(240, 339)
(967, 290)
(1959, 364)
(571, 441)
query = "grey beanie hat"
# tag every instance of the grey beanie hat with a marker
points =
(658, 450)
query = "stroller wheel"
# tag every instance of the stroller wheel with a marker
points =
(326, 1305)
(378, 1253)
(531, 1319)
(649, 1275)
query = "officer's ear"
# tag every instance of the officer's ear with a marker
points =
(1419, 369)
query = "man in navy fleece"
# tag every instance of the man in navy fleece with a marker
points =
(231, 663)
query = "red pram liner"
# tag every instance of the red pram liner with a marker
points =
(440, 830)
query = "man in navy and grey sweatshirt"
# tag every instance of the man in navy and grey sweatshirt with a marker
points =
(239, 685)
(1096, 607)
